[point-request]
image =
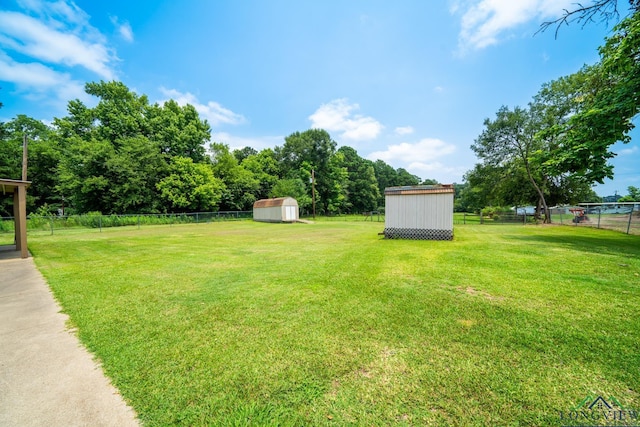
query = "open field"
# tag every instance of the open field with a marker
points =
(245, 323)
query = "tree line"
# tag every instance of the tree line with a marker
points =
(126, 156)
(553, 150)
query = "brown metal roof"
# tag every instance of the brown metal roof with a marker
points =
(419, 189)
(270, 203)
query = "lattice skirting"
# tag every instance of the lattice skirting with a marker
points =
(418, 234)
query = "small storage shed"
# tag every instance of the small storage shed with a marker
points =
(280, 209)
(422, 212)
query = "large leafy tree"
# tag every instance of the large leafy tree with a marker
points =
(362, 193)
(241, 186)
(43, 159)
(314, 150)
(633, 196)
(178, 130)
(113, 155)
(190, 186)
(510, 141)
(604, 98)
(264, 167)
(387, 176)
(293, 187)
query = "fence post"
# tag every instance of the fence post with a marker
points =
(599, 214)
(480, 217)
(629, 223)
(100, 222)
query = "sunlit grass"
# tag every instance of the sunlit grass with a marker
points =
(328, 324)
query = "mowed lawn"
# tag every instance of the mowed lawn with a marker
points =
(247, 323)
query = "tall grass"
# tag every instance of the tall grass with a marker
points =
(246, 323)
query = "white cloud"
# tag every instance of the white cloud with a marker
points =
(126, 32)
(49, 40)
(404, 130)
(628, 151)
(212, 111)
(123, 28)
(41, 81)
(436, 170)
(484, 22)
(438, 89)
(424, 151)
(238, 142)
(337, 116)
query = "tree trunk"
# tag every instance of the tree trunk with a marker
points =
(547, 218)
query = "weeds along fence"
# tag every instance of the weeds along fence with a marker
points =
(372, 216)
(496, 219)
(622, 216)
(98, 221)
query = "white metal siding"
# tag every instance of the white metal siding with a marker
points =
(419, 211)
(272, 213)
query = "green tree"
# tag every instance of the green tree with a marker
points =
(178, 131)
(265, 168)
(362, 193)
(113, 155)
(511, 140)
(406, 178)
(84, 175)
(133, 173)
(240, 185)
(314, 150)
(387, 176)
(605, 102)
(430, 182)
(293, 187)
(190, 186)
(243, 153)
(633, 196)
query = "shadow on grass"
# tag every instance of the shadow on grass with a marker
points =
(596, 241)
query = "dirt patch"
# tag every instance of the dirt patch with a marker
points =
(475, 292)
(467, 323)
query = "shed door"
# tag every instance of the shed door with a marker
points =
(290, 213)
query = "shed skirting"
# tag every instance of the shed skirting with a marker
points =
(418, 234)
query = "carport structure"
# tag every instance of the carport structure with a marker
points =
(18, 190)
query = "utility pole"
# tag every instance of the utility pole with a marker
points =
(24, 157)
(313, 192)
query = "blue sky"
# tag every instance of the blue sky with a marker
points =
(408, 82)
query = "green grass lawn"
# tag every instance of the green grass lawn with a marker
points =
(247, 323)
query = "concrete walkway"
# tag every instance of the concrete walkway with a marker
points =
(46, 377)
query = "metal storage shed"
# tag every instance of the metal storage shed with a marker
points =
(280, 209)
(422, 212)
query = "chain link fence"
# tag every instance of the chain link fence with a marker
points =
(622, 216)
(54, 224)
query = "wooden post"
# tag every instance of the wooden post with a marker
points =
(313, 192)
(20, 216)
